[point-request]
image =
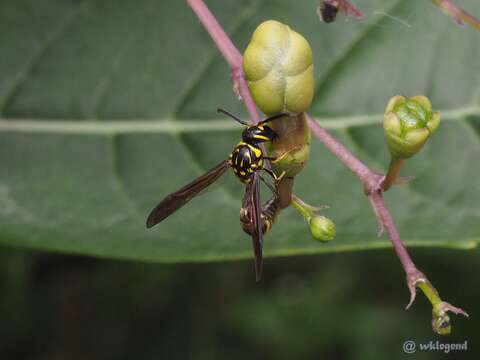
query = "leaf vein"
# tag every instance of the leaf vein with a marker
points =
(169, 125)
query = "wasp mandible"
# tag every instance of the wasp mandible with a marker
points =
(246, 160)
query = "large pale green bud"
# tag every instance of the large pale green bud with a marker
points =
(408, 123)
(278, 65)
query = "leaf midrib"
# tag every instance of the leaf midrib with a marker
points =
(170, 125)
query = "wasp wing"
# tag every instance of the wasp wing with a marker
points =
(254, 204)
(176, 200)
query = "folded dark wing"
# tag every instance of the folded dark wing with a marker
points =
(176, 200)
(254, 203)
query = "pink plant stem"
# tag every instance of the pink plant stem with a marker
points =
(414, 276)
(371, 182)
(342, 153)
(379, 203)
(221, 39)
(459, 15)
(229, 52)
(350, 10)
(370, 179)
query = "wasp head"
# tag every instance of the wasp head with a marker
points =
(258, 134)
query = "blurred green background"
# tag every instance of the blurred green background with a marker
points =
(81, 70)
(338, 306)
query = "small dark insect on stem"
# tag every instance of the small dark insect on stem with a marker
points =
(327, 10)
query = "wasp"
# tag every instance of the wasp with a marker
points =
(247, 160)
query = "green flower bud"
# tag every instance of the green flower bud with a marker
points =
(278, 65)
(408, 123)
(291, 148)
(322, 228)
(440, 319)
(441, 324)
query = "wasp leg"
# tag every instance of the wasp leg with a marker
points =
(277, 159)
(270, 186)
(274, 176)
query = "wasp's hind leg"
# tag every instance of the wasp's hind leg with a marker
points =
(274, 160)
(274, 176)
(272, 188)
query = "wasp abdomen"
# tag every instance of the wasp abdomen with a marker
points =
(268, 215)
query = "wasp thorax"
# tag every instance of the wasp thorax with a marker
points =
(246, 159)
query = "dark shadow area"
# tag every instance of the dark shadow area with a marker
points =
(343, 306)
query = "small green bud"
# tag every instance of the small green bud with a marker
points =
(441, 324)
(440, 319)
(322, 228)
(408, 123)
(278, 65)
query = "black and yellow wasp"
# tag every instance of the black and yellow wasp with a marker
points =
(246, 160)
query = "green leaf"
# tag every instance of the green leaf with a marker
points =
(108, 106)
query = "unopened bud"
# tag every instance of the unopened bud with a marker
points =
(322, 228)
(408, 123)
(278, 65)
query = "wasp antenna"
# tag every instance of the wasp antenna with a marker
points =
(228, 113)
(274, 117)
